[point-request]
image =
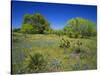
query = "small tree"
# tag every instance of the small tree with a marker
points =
(37, 23)
(80, 26)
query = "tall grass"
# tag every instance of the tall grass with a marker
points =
(51, 53)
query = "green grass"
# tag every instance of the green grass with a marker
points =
(56, 58)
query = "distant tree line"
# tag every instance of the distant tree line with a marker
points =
(75, 27)
(16, 29)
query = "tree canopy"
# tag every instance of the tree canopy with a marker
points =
(35, 23)
(76, 27)
(79, 26)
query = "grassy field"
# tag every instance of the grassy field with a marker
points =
(75, 57)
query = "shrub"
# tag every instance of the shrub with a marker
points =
(78, 47)
(37, 63)
(64, 43)
(77, 50)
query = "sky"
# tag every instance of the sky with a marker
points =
(56, 14)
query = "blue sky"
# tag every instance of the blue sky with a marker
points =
(56, 14)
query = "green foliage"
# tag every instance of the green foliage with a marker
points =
(76, 27)
(26, 28)
(79, 27)
(58, 32)
(37, 24)
(36, 63)
(64, 43)
(47, 56)
(49, 31)
(16, 30)
(41, 53)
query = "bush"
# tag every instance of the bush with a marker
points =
(77, 50)
(78, 47)
(36, 63)
(64, 43)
